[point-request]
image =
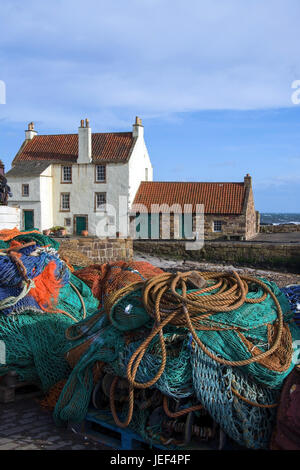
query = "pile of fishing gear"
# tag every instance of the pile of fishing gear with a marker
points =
(185, 360)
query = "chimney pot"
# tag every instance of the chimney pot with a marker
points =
(87, 123)
(82, 123)
(30, 132)
(138, 128)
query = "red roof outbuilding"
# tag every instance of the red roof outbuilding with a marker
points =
(218, 198)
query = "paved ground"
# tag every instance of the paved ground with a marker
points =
(24, 425)
(290, 237)
(282, 279)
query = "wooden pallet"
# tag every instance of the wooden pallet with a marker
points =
(12, 390)
(100, 427)
(96, 427)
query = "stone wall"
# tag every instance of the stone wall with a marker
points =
(284, 228)
(261, 255)
(100, 250)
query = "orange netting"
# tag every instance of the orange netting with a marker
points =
(7, 234)
(47, 287)
(110, 277)
(52, 396)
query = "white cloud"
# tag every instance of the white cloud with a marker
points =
(150, 57)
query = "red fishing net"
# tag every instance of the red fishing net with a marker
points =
(104, 279)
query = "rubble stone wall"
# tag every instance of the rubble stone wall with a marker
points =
(260, 255)
(100, 250)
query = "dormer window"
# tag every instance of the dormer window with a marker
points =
(66, 174)
(100, 175)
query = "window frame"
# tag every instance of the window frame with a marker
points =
(96, 173)
(97, 209)
(215, 222)
(23, 187)
(65, 222)
(62, 180)
(61, 202)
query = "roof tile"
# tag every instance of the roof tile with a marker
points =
(114, 146)
(218, 198)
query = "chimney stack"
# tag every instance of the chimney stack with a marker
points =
(84, 142)
(248, 180)
(30, 133)
(138, 128)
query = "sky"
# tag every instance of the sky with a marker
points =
(211, 80)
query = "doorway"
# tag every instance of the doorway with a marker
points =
(28, 219)
(80, 223)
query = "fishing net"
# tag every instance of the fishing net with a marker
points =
(216, 339)
(30, 278)
(105, 279)
(237, 335)
(26, 236)
(9, 234)
(36, 343)
(247, 424)
(293, 294)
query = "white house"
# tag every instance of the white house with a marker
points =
(78, 180)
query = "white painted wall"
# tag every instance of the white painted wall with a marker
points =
(84, 145)
(46, 192)
(138, 162)
(31, 202)
(83, 189)
(10, 217)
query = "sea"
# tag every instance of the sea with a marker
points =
(276, 218)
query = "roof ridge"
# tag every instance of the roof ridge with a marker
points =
(93, 133)
(194, 182)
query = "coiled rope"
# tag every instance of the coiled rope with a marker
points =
(191, 310)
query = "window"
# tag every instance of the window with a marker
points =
(65, 201)
(146, 174)
(100, 201)
(68, 222)
(25, 190)
(66, 174)
(217, 226)
(100, 173)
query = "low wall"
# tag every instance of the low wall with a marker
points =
(99, 250)
(9, 217)
(261, 255)
(284, 228)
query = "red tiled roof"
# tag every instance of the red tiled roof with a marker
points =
(218, 198)
(113, 146)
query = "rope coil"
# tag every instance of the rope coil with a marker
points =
(167, 300)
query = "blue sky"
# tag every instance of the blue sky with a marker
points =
(210, 79)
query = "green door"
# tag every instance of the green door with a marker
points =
(28, 220)
(185, 226)
(80, 224)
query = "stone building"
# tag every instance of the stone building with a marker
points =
(170, 210)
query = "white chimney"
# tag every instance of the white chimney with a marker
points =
(30, 133)
(138, 128)
(84, 142)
